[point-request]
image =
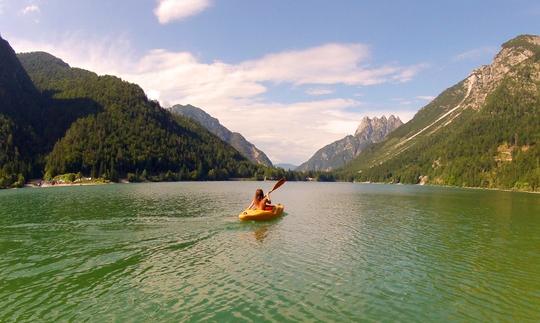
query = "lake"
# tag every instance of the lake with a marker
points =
(343, 251)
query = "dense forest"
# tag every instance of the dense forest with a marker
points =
(20, 110)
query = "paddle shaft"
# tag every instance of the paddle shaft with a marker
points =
(278, 185)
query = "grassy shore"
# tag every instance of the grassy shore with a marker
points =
(62, 181)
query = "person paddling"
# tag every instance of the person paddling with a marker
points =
(260, 208)
(261, 201)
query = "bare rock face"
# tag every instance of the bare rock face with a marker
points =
(340, 152)
(234, 139)
(485, 79)
(473, 91)
(377, 128)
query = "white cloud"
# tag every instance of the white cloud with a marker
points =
(326, 64)
(107, 55)
(475, 54)
(415, 101)
(297, 129)
(406, 102)
(234, 93)
(170, 10)
(319, 91)
(406, 74)
(425, 97)
(30, 9)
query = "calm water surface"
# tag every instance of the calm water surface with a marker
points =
(176, 252)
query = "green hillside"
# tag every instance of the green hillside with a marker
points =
(119, 131)
(55, 119)
(475, 134)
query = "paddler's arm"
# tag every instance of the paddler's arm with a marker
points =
(251, 205)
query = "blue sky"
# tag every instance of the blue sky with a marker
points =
(291, 76)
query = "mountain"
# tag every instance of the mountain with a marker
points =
(110, 128)
(340, 152)
(55, 119)
(235, 139)
(20, 113)
(482, 132)
(286, 166)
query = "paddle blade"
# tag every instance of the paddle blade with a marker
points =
(278, 184)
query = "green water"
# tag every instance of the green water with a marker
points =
(176, 252)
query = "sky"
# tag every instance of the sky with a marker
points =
(291, 76)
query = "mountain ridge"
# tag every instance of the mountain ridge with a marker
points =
(340, 152)
(213, 125)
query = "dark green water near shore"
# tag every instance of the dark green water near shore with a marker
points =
(176, 252)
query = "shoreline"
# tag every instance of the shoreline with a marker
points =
(476, 188)
(64, 185)
(450, 186)
(33, 184)
(40, 183)
(490, 189)
(460, 187)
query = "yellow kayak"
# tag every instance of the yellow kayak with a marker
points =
(262, 215)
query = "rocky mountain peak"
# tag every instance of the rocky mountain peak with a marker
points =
(523, 41)
(365, 124)
(338, 153)
(483, 80)
(377, 128)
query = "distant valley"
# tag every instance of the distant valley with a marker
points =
(286, 166)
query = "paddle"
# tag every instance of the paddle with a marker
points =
(278, 185)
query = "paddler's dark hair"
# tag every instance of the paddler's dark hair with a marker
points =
(259, 194)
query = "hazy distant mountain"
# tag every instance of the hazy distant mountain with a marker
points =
(286, 166)
(482, 132)
(235, 139)
(340, 152)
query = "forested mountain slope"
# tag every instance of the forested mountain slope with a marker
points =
(482, 132)
(119, 131)
(55, 119)
(20, 112)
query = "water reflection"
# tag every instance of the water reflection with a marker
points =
(261, 233)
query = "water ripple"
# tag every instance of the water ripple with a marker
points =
(176, 252)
